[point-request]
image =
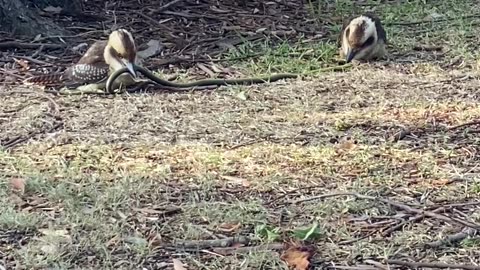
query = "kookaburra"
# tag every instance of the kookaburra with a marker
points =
(100, 60)
(363, 38)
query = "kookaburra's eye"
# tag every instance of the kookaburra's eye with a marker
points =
(368, 42)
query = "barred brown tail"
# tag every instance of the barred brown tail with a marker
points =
(44, 79)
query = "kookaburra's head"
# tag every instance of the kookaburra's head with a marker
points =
(121, 51)
(359, 39)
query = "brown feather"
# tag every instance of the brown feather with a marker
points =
(355, 37)
(45, 79)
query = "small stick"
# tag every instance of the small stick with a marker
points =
(427, 48)
(213, 243)
(233, 250)
(166, 6)
(396, 204)
(415, 265)
(23, 45)
(435, 21)
(475, 122)
(377, 264)
(403, 223)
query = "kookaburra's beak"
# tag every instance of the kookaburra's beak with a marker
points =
(350, 55)
(132, 71)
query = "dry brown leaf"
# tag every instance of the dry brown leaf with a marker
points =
(441, 182)
(18, 184)
(23, 63)
(178, 265)
(206, 70)
(216, 69)
(229, 227)
(152, 48)
(346, 145)
(297, 257)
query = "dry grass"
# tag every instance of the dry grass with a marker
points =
(125, 178)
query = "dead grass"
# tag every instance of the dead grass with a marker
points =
(126, 179)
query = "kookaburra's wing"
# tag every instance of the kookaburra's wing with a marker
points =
(382, 35)
(91, 68)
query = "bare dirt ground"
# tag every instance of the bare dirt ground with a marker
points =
(365, 168)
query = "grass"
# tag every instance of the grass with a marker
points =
(130, 178)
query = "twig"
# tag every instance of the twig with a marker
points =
(157, 23)
(18, 140)
(213, 243)
(55, 105)
(398, 205)
(232, 250)
(474, 122)
(359, 267)
(166, 6)
(348, 242)
(403, 223)
(436, 21)
(23, 45)
(427, 48)
(377, 264)
(433, 265)
(453, 238)
(400, 135)
(33, 60)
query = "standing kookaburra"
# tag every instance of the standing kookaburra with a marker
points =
(363, 38)
(93, 69)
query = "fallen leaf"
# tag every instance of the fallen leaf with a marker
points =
(229, 227)
(268, 232)
(308, 233)
(57, 233)
(297, 257)
(53, 10)
(153, 47)
(346, 145)
(216, 69)
(206, 70)
(242, 96)
(18, 184)
(178, 265)
(22, 63)
(49, 249)
(79, 47)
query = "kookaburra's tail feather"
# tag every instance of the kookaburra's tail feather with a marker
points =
(45, 79)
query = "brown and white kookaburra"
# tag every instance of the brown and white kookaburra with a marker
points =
(363, 38)
(94, 67)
